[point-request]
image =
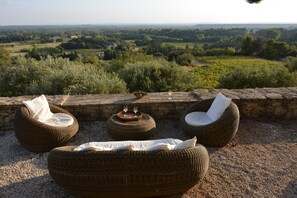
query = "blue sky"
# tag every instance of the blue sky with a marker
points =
(60, 12)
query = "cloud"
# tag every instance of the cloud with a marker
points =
(10, 2)
(4, 2)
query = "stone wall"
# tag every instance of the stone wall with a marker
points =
(264, 102)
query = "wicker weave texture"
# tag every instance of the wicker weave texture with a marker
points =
(127, 173)
(38, 137)
(215, 134)
(131, 130)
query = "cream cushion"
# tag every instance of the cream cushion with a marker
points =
(147, 145)
(216, 110)
(186, 144)
(40, 110)
(197, 118)
(218, 106)
(161, 147)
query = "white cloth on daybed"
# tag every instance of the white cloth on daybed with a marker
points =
(39, 108)
(216, 110)
(147, 145)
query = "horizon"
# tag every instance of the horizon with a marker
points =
(152, 24)
(141, 12)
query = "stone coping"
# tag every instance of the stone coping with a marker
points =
(268, 102)
(196, 95)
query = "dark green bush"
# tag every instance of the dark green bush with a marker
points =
(156, 76)
(220, 51)
(184, 59)
(254, 76)
(5, 59)
(57, 76)
(291, 63)
(127, 57)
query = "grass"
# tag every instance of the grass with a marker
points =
(88, 51)
(210, 74)
(181, 45)
(16, 48)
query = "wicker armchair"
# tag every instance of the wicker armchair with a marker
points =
(127, 173)
(218, 133)
(38, 137)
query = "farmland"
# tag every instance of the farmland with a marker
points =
(215, 66)
(152, 60)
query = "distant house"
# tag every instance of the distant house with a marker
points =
(74, 37)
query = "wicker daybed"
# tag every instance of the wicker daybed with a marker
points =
(218, 133)
(39, 137)
(127, 173)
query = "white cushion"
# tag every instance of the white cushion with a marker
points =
(39, 108)
(59, 120)
(161, 147)
(147, 145)
(124, 148)
(197, 118)
(186, 144)
(218, 106)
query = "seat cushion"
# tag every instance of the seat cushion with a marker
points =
(218, 106)
(59, 120)
(146, 145)
(197, 118)
(137, 145)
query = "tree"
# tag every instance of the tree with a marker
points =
(291, 63)
(247, 47)
(272, 33)
(184, 59)
(276, 50)
(254, 1)
(109, 54)
(200, 37)
(4, 59)
(41, 53)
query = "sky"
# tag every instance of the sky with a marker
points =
(72, 12)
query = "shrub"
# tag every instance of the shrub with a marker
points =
(184, 59)
(57, 76)
(156, 76)
(291, 63)
(41, 53)
(25, 50)
(127, 57)
(4, 59)
(220, 51)
(254, 76)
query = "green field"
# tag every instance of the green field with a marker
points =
(182, 45)
(88, 51)
(209, 75)
(15, 48)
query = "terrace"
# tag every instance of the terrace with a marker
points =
(261, 161)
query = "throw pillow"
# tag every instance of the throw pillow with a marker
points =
(218, 106)
(186, 144)
(161, 147)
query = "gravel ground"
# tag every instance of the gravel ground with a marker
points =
(260, 162)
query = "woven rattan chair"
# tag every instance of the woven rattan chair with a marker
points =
(38, 137)
(127, 173)
(218, 133)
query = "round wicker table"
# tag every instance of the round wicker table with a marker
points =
(140, 129)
